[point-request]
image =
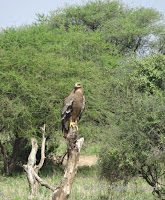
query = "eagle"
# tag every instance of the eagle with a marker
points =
(73, 107)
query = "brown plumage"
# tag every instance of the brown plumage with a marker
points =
(72, 109)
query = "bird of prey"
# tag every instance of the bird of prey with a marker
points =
(72, 109)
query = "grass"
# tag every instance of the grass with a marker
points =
(87, 148)
(86, 186)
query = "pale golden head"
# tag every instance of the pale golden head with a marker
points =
(78, 85)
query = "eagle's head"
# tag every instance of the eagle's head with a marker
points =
(78, 85)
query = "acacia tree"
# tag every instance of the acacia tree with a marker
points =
(17, 126)
(137, 146)
(37, 71)
(41, 62)
(26, 97)
(129, 29)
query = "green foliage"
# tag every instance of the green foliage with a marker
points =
(92, 15)
(39, 65)
(138, 127)
(129, 29)
(38, 69)
(149, 74)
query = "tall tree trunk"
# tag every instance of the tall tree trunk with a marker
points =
(5, 164)
(18, 144)
(9, 161)
(5, 159)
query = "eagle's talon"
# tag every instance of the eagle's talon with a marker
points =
(76, 127)
(72, 124)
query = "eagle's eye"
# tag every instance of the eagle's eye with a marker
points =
(77, 85)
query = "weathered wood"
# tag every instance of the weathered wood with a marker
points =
(43, 183)
(38, 167)
(73, 148)
(29, 168)
(32, 169)
(62, 192)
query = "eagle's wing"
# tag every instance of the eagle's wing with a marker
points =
(66, 110)
(82, 109)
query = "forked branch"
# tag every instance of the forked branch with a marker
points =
(32, 169)
(62, 192)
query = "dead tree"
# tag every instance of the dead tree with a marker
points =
(32, 169)
(62, 192)
(73, 151)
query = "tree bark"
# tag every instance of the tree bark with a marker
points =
(73, 148)
(9, 161)
(5, 159)
(18, 144)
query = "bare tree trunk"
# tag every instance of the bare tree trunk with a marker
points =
(74, 146)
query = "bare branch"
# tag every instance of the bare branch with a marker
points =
(32, 156)
(42, 182)
(32, 169)
(37, 167)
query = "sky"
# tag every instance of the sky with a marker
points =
(21, 12)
